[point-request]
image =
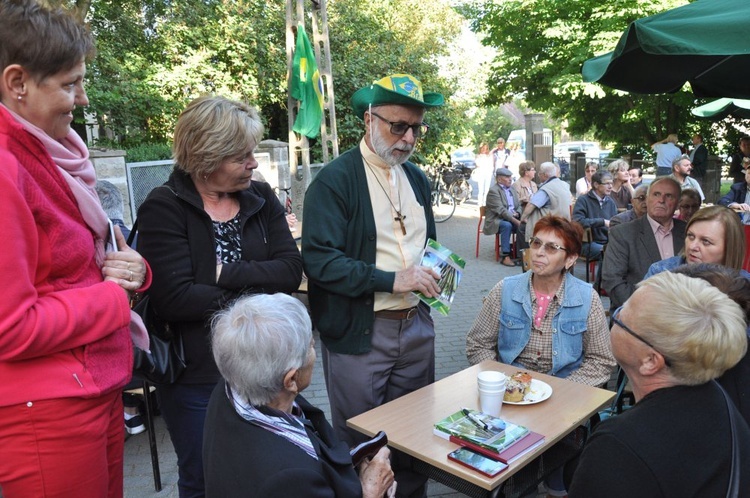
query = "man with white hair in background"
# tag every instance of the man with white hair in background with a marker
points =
(553, 197)
(638, 209)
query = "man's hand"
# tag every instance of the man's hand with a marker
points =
(417, 278)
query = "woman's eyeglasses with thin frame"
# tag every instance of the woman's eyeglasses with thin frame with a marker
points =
(536, 243)
(618, 322)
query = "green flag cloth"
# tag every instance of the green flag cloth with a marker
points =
(307, 87)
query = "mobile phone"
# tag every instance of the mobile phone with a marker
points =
(111, 244)
(477, 461)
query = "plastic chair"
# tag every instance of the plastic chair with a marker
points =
(482, 211)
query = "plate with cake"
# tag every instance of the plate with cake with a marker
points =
(522, 389)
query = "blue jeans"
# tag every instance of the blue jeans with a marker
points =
(592, 249)
(661, 171)
(183, 407)
(505, 229)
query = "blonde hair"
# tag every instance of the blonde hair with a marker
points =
(693, 324)
(618, 165)
(211, 130)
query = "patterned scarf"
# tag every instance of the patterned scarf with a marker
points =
(288, 426)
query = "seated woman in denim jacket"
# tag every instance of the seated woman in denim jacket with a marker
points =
(546, 320)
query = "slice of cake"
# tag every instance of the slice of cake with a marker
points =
(517, 386)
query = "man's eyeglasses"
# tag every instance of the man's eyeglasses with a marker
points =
(618, 322)
(536, 243)
(399, 128)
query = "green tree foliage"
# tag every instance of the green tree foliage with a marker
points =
(154, 56)
(542, 45)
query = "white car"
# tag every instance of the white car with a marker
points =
(565, 149)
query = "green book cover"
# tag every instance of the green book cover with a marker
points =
(499, 435)
(449, 266)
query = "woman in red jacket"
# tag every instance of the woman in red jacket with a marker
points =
(65, 320)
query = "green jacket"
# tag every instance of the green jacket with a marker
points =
(339, 243)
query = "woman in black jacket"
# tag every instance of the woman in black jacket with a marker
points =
(211, 235)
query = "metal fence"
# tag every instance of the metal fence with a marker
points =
(144, 177)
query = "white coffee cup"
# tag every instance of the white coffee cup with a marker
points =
(491, 402)
(491, 388)
(491, 379)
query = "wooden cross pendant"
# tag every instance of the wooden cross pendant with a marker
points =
(400, 218)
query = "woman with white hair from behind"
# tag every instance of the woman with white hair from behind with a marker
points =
(673, 337)
(262, 438)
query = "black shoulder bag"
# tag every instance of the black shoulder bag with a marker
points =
(166, 361)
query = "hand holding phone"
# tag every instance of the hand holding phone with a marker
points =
(477, 461)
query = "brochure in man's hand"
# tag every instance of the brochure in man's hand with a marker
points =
(480, 429)
(449, 266)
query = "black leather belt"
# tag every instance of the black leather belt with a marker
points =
(406, 314)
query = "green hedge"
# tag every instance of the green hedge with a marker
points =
(148, 152)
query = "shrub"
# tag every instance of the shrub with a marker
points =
(148, 152)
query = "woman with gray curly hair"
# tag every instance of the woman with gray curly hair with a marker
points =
(262, 438)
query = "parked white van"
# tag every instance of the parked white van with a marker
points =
(563, 150)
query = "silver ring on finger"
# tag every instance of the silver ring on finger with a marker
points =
(130, 277)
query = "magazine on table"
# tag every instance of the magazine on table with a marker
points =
(449, 266)
(480, 429)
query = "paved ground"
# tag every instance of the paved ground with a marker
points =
(459, 234)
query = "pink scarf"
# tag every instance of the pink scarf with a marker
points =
(72, 159)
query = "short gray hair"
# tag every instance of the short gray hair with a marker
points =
(640, 188)
(693, 324)
(257, 340)
(548, 168)
(111, 199)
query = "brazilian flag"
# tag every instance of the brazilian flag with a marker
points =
(307, 87)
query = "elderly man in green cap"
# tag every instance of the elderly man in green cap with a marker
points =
(367, 218)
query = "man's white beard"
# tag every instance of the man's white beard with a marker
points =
(390, 155)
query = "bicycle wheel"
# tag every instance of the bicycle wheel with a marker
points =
(443, 205)
(461, 190)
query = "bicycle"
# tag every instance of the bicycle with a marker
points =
(285, 198)
(442, 201)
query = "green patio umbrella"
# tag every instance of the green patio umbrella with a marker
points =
(706, 43)
(721, 108)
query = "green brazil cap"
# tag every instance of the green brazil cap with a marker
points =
(399, 89)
